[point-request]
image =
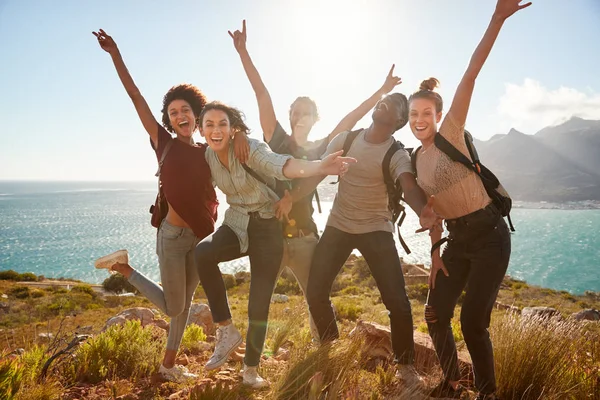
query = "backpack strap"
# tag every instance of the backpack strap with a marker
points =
(413, 159)
(448, 148)
(392, 188)
(347, 144)
(162, 157)
(349, 140)
(259, 178)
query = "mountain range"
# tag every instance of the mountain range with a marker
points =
(557, 164)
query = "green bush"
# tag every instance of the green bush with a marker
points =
(229, 281)
(37, 293)
(83, 289)
(287, 286)
(347, 310)
(127, 352)
(350, 291)
(20, 292)
(117, 283)
(28, 277)
(10, 275)
(11, 377)
(192, 337)
(418, 292)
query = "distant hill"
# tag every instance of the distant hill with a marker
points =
(559, 163)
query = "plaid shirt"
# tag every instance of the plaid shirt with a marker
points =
(244, 193)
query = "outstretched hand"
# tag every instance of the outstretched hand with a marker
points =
(334, 164)
(106, 42)
(429, 219)
(391, 81)
(506, 8)
(239, 38)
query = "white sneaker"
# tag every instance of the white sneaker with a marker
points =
(409, 377)
(252, 378)
(228, 339)
(106, 262)
(178, 373)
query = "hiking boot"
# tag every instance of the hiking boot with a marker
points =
(409, 377)
(228, 339)
(177, 373)
(444, 390)
(252, 379)
(488, 396)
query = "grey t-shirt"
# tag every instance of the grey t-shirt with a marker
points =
(361, 203)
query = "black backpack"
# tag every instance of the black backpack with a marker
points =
(493, 187)
(394, 189)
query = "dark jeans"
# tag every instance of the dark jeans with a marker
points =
(477, 257)
(265, 251)
(379, 250)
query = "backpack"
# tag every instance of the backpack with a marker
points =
(393, 188)
(160, 208)
(493, 187)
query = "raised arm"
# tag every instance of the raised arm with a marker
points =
(348, 122)
(462, 99)
(108, 44)
(268, 121)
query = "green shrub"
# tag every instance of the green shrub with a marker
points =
(128, 352)
(192, 337)
(418, 292)
(347, 310)
(33, 361)
(11, 377)
(117, 283)
(350, 291)
(287, 286)
(83, 289)
(361, 269)
(37, 293)
(229, 281)
(9, 275)
(20, 292)
(28, 277)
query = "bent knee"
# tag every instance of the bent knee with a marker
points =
(173, 310)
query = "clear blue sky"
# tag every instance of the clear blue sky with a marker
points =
(66, 116)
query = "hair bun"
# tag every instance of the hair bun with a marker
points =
(429, 84)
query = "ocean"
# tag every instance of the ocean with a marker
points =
(58, 229)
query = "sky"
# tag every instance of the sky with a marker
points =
(66, 115)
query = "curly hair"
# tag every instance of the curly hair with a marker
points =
(308, 100)
(426, 91)
(186, 92)
(236, 117)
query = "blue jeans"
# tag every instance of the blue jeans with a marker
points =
(178, 275)
(265, 251)
(476, 257)
(379, 250)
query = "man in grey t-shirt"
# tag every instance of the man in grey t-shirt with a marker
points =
(361, 219)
